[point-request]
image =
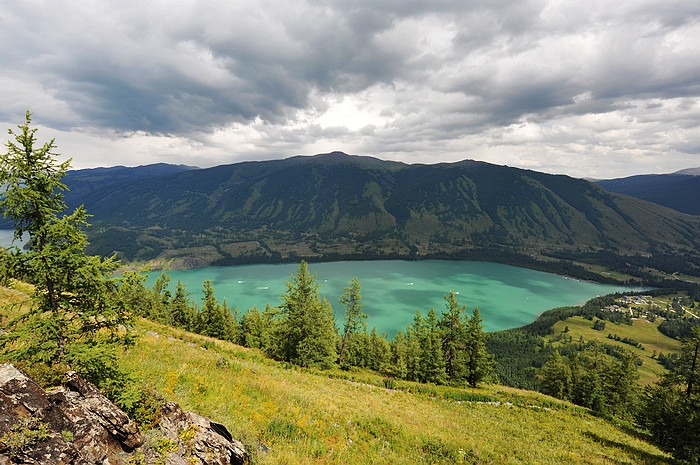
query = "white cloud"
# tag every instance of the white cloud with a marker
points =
(351, 112)
(585, 88)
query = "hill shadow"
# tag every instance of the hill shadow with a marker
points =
(640, 456)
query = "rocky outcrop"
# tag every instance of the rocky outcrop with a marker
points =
(196, 439)
(76, 424)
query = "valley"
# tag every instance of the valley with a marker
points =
(350, 232)
(287, 414)
(277, 378)
(339, 207)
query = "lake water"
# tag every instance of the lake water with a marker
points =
(393, 290)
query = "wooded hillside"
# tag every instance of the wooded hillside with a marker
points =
(339, 206)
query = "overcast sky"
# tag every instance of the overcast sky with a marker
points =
(593, 88)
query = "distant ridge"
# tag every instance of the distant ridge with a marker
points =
(337, 206)
(121, 173)
(680, 190)
(85, 183)
(689, 172)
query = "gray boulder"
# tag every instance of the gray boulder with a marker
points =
(198, 439)
(76, 424)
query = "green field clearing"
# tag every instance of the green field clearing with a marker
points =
(641, 330)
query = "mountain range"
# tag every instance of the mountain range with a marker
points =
(338, 206)
(680, 190)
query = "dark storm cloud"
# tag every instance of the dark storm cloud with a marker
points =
(435, 75)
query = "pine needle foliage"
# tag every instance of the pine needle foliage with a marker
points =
(354, 318)
(672, 406)
(76, 320)
(307, 328)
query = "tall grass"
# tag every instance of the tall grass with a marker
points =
(300, 416)
(287, 415)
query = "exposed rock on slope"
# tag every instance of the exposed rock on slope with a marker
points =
(76, 424)
(198, 439)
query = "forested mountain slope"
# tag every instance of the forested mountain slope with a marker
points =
(679, 191)
(339, 206)
(84, 182)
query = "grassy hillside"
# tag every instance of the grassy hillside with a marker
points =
(641, 330)
(286, 415)
(337, 417)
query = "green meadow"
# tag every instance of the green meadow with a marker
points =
(641, 330)
(306, 416)
(288, 415)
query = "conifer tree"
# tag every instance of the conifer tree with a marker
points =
(357, 350)
(252, 329)
(160, 300)
(215, 319)
(354, 318)
(621, 384)
(399, 356)
(133, 292)
(273, 337)
(379, 351)
(414, 336)
(207, 322)
(686, 371)
(587, 368)
(479, 363)
(232, 328)
(308, 327)
(556, 377)
(432, 363)
(76, 321)
(453, 337)
(672, 407)
(182, 314)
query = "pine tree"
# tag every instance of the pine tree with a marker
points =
(414, 336)
(133, 293)
(160, 300)
(252, 329)
(182, 314)
(77, 320)
(432, 363)
(308, 327)
(273, 337)
(399, 356)
(672, 407)
(686, 371)
(453, 337)
(621, 384)
(556, 377)
(379, 352)
(232, 328)
(354, 318)
(357, 350)
(587, 387)
(211, 318)
(479, 363)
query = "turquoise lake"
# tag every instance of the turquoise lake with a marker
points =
(393, 290)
